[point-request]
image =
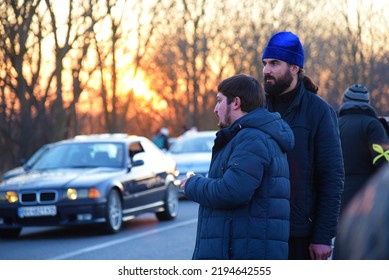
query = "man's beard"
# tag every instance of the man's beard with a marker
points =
(227, 119)
(279, 86)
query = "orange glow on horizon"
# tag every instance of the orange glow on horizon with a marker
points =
(90, 101)
(141, 87)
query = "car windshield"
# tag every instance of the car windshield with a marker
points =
(81, 155)
(201, 144)
(35, 157)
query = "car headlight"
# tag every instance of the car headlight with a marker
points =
(74, 194)
(9, 196)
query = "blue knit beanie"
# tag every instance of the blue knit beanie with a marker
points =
(356, 93)
(285, 46)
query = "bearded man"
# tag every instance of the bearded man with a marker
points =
(315, 162)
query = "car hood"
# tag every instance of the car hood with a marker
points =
(61, 178)
(13, 172)
(196, 162)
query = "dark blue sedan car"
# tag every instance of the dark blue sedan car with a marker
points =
(97, 179)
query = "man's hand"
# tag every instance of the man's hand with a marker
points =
(320, 251)
(183, 181)
(182, 185)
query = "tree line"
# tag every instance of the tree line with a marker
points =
(68, 66)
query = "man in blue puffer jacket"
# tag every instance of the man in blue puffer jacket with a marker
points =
(244, 203)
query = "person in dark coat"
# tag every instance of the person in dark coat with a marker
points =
(161, 138)
(244, 203)
(359, 128)
(315, 162)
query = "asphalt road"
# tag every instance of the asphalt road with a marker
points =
(143, 238)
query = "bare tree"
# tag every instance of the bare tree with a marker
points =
(32, 90)
(366, 48)
(124, 23)
(77, 28)
(17, 47)
(185, 66)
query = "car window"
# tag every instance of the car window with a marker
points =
(193, 145)
(134, 148)
(74, 155)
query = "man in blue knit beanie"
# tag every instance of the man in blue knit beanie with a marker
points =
(287, 47)
(315, 163)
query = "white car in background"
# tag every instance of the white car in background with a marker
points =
(192, 152)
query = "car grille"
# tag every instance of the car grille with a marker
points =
(38, 197)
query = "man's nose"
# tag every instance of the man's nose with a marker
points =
(216, 109)
(266, 69)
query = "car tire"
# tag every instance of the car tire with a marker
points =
(171, 203)
(114, 213)
(10, 233)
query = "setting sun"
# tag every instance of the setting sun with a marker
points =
(141, 88)
(138, 84)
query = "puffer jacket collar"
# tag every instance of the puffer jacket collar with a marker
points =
(261, 119)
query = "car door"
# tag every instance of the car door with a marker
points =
(140, 188)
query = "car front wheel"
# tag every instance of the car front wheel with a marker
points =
(114, 213)
(170, 204)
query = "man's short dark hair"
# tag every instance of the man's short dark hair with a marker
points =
(245, 87)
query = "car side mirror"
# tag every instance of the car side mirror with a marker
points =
(135, 163)
(138, 162)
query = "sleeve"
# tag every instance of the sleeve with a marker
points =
(329, 178)
(376, 134)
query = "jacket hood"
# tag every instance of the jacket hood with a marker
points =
(261, 119)
(357, 107)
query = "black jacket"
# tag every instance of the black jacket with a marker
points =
(359, 128)
(316, 167)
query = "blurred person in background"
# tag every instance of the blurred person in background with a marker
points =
(360, 128)
(363, 228)
(315, 162)
(161, 138)
(244, 203)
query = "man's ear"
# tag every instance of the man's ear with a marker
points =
(294, 69)
(236, 103)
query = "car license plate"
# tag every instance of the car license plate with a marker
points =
(37, 211)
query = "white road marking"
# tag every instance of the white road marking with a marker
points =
(122, 240)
